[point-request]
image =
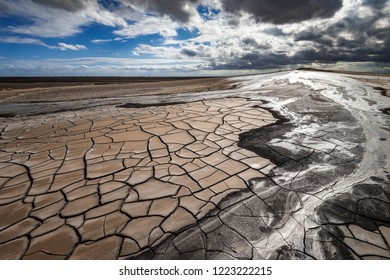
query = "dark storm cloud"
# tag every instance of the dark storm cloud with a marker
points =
(250, 43)
(275, 31)
(175, 9)
(353, 38)
(233, 22)
(188, 52)
(335, 55)
(364, 42)
(67, 5)
(3, 7)
(375, 3)
(315, 37)
(254, 60)
(284, 11)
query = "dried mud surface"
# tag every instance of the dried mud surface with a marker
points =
(111, 182)
(290, 165)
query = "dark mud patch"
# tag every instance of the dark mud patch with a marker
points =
(382, 91)
(141, 105)
(386, 111)
(366, 205)
(9, 115)
(181, 102)
(256, 140)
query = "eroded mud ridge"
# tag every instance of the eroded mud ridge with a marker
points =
(111, 182)
(296, 165)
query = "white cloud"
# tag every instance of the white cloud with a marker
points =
(101, 41)
(77, 47)
(168, 33)
(50, 22)
(158, 51)
(382, 23)
(150, 25)
(60, 46)
(18, 40)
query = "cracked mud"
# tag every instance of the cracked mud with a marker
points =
(284, 166)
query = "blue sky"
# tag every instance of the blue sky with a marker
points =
(191, 37)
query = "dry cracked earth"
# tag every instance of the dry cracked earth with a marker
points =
(291, 165)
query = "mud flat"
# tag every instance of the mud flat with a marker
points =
(83, 88)
(291, 165)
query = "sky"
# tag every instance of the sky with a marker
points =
(191, 37)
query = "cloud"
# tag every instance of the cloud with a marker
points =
(149, 25)
(32, 41)
(60, 46)
(361, 34)
(158, 51)
(236, 35)
(65, 18)
(177, 10)
(379, 4)
(3, 7)
(101, 41)
(18, 40)
(357, 32)
(68, 5)
(51, 18)
(188, 52)
(64, 47)
(284, 11)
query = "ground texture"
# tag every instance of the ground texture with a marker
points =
(281, 166)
